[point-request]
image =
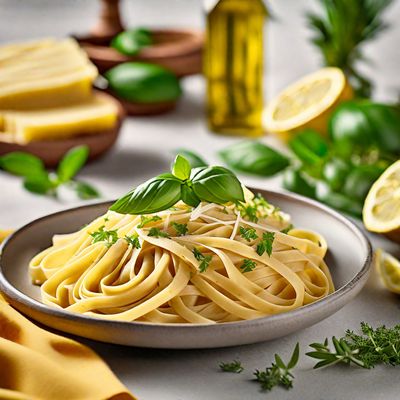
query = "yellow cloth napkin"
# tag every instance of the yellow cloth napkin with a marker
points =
(39, 365)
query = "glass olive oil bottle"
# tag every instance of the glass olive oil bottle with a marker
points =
(233, 66)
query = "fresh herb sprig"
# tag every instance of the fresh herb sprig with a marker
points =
(279, 374)
(181, 229)
(102, 235)
(372, 347)
(265, 245)
(157, 232)
(133, 240)
(248, 265)
(204, 260)
(38, 180)
(211, 184)
(248, 234)
(233, 366)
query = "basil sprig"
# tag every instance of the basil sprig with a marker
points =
(212, 184)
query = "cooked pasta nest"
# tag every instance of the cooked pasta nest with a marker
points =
(185, 265)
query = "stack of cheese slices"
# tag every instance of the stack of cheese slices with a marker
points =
(46, 93)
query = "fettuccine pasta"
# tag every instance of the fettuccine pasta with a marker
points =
(209, 264)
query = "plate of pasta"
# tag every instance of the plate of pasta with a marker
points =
(189, 259)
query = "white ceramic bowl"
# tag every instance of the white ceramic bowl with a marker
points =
(349, 259)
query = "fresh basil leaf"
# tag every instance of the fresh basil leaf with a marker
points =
(194, 159)
(216, 185)
(181, 168)
(309, 146)
(22, 164)
(155, 195)
(189, 197)
(254, 158)
(85, 191)
(72, 162)
(39, 184)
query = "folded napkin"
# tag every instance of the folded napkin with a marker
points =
(39, 365)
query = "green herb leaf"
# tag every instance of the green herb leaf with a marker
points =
(194, 159)
(39, 184)
(72, 162)
(22, 164)
(146, 220)
(248, 265)
(181, 229)
(248, 234)
(181, 168)
(102, 235)
(133, 240)
(85, 191)
(157, 232)
(155, 195)
(265, 244)
(216, 185)
(309, 147)
(188, 196)
(204, 260)
(279, 373)
(254, 158)
(234, 366)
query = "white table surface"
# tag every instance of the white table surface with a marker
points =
(146, 147)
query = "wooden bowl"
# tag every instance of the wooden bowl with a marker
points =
(178, 50)
(51, 151)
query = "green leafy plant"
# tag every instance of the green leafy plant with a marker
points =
(248, 234)
(372, 347)
(204, 260)
(157, 232)
(233, 366)
(254, 158)
(38, 180)
(342, 29)
(279, 374)
(194, 159)
(102, 235)
(265, 245)
(248, 265)
(133, 240)
(181, 229)
(213, 184)
(144, 220)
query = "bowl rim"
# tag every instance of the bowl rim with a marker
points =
(18, 297)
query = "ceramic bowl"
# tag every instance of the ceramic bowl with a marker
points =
(51, 151)
(349, 259)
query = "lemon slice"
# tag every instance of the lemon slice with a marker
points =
(308, 102)
(388, 268)
(381, 211)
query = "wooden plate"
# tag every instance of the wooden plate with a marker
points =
(51, 151)
(178, 50)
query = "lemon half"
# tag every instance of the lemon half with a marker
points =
(381, 211)
(388, 268)
(308, 102)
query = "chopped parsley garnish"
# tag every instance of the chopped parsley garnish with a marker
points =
(248, 234)
(102, 235)
(279, 373)
(265, 245)
(133, 240)
(156, 232)
(234, 366)
(248, 265)
(204, 260)
(287, 229)
(146, 220)
(181, 229)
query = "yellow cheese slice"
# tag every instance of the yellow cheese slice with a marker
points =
(95, 115)
(43, 74)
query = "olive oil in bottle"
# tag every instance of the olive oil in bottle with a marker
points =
(233, 66)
